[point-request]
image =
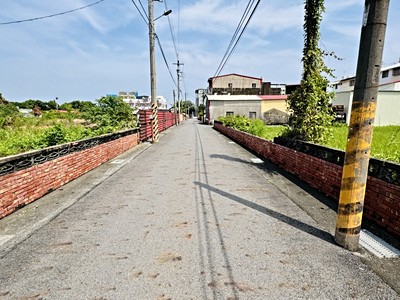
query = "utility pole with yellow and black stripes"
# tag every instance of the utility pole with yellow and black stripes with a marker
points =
(355, 169)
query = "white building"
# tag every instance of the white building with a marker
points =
(129, 97)
(200, 94)
(388, 101)
(141, 102)
(161, 102)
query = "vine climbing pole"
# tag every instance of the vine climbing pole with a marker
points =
(355, 169)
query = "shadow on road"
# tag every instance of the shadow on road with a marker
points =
(271, 213)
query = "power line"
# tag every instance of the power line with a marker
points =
(144, 11)
(50, 16)
(156, 37)
(145, 19)
(179, 19)
(227, 56)
(165, 59)
(235, 34)
(172, 31)
(237, 41)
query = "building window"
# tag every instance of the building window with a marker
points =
(254, 85)
(396, 71)
(252, 115)
(229, 113)
(230, 85)
(352, 82)
(385, 74)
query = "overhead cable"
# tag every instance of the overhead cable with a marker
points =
(172, 31)
(144, 11)
(232, 48)
(138, 9)
(165, 60)
(245, 13)
(50, 16)
(155, 36)
(237, 41)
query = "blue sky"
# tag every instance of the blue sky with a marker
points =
(104, 49)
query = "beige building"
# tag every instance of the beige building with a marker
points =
(274, 102)
(234, 84)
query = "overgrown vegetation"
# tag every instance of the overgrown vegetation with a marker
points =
(309, 103)
(385, 142)
(253, 126)
(20, 134)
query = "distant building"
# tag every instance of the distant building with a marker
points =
(141, 102)
(236, 94)
(250, 106)
(161, 102)
(200, 94)
(388, 100)
(234, 84)
(26, 112)
(129, 98)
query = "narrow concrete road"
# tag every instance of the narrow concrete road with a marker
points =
(191, 217)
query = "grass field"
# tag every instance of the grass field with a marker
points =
(385, 140)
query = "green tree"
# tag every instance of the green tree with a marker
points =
(52, 104)
(111, 113)
(82, 106)
(187, 107)
(202, 109)
(32, 103)
(310, 102)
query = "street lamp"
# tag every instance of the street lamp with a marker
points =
(166, 13)
(154, 117)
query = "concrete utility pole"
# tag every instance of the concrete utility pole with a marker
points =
(178, 72)
(175, 114)
(154, 117)
(355, 169)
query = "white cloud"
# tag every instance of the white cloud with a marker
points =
(104, 49)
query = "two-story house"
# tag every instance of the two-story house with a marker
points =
(234, 84)
(235, 94)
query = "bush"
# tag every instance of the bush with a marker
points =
(55, 135)
(8, 113)
(255, 127)
(111, 114)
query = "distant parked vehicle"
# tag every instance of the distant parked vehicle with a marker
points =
(339, 112)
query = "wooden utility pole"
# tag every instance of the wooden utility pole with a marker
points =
(355, 169)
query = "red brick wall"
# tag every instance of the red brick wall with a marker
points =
(25, 186)
(382, 199)
(166, 119)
